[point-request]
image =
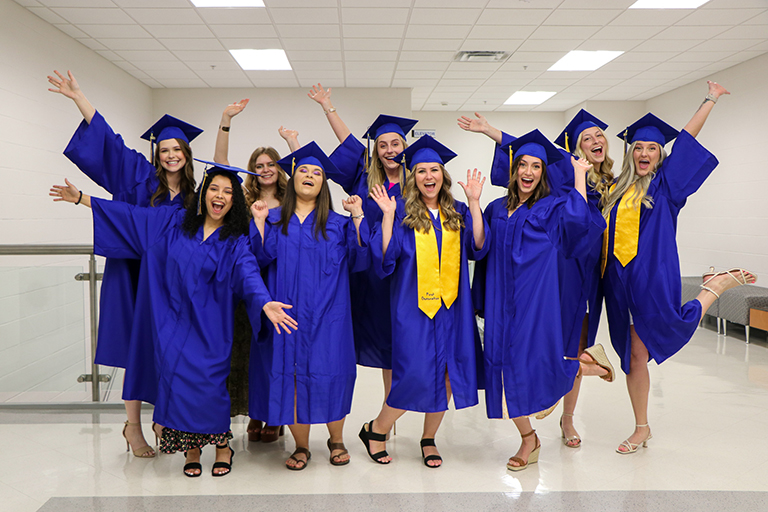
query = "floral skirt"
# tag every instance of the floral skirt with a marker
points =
(180, 441)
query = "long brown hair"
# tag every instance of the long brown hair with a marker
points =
(513, 195)
(187, 183)
(323, 205)
(376, 173)
(252, 186)
(417, 217)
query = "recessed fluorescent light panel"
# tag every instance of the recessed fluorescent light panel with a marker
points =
(228, 3)
(529, 98)
(584, 61)
(262, 60)
(667, 4)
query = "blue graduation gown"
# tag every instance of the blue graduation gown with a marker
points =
(530, 310)
(423, 349)
(191, 287)
(649, 286)
(560, 179)
(316, 362)
(126, 174)
(370, 293)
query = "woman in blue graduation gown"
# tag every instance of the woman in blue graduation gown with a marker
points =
(195, 266)
(530, 355)
(126, 174)
(308, 250)
(584, 136)
(266, 181)
(641, 266)
(425, 247)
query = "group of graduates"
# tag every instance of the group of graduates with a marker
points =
(387, 286)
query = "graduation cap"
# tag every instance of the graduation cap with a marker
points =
(426, 149)
(648, 128)
(217, 167)
(169, 127)
(309, 154)
(580, 122)
(387, 124)
(534, 143)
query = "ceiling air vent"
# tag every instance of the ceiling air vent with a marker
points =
(481, 56)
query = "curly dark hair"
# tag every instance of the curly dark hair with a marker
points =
(236, 219)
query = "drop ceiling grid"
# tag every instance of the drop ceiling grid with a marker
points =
(411, 43)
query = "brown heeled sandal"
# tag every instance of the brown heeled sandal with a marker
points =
(533, 458)
(145, 452)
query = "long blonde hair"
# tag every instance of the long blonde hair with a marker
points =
(629, 177)
(600, 180)
(417, 215)
(376, 173)
(252, 188)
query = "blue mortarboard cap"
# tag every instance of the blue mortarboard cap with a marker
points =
(426, 149)
(169, 127)
(649, 128)
(309, 154)
(389, 124)
(213, 166)
(580, 122)
(534, 144)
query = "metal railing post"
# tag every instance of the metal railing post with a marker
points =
(95, 394)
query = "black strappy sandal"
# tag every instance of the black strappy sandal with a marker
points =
(366, 436)
(429, 458)
(193, 465)
(225, 465)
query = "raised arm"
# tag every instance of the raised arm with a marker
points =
(70, 194)
(580, 168)
(291, 137)
(221, 153)
(473, 188)
(354, 205)
(69, 88)
(388, 207)
(323, 97)
(479, 125)
(260, 211)
(697, 121)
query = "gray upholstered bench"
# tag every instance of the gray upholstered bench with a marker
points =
(735, 305)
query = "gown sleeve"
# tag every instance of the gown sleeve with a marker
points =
(265, 250)
(247, 283)
(122, 230)
(103, 156)
(349, 159)
(500, 164)
(359, 254)
(685, 169)
(385, 265)
(572, 224)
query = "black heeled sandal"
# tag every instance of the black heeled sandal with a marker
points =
(193, 465)
(224, 465)
(366, 436)
(429, 458)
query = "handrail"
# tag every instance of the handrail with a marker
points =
(44, 249)
(91, 277)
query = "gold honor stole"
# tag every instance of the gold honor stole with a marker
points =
(627, 231)
(438, 275)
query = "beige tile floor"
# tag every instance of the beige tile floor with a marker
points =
(708, 414)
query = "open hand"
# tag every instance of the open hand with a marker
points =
(66, 86)
(716, 89)
(474, 186)
(581, 165)
(235, 108)
(279, 318)
(320, 95)
(287, 134)
(68, 192)
(387, 204)
(353, 204)
(479, 125)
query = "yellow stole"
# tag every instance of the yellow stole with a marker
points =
(627, 230)
(438, 275)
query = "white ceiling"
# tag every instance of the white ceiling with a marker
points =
(411, 43)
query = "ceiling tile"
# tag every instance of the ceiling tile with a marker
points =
(313, 55)
(47, 15)
(616, 45)
(365, 82)
(388, 67)
(513, 16)
(413, 82)
(662, 45)
(165, 16)
(152, 3)
(467, 74)
(627, 32)
(109, 55)
(318, 66)
(253, 15)
(307, 83)
(445, 16)
(419, 74)
(192, 44)
(307, 31)
(387, 31)
(139, 55)
(239, 83)
(582, 17)
(721, 45)
(323, 77)
(707, 57)
(132, 44)
(189, 83)
(251, 44)
(204, 56)
(576, 33)
(550, 45)
(496, 45)
(92, 44)
(358, 55)
(244, 31)
(760, 19)
(176, 74)
(107, 16)
(305, 15)
(317, 44)
(744, 32)
(719, 16)
(413, 44)
(383, 75)
(692, 32)
(650, 17)
(71, 30)
(474, 66)
(501, 32)
(150, 66)
(393, 16)
(219, 67)
(179, 31)
(120, 31)
(371, 45)
(437, 31)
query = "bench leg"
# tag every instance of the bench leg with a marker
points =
(725, 327)
(718, 325)
(746, 329)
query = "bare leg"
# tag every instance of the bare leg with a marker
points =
(133, 431)
(432, 422)
(336, 431)
(386, 376)
(528, 444)
(569, 401)
(381, 425)
(638, 386)
(301, 436)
